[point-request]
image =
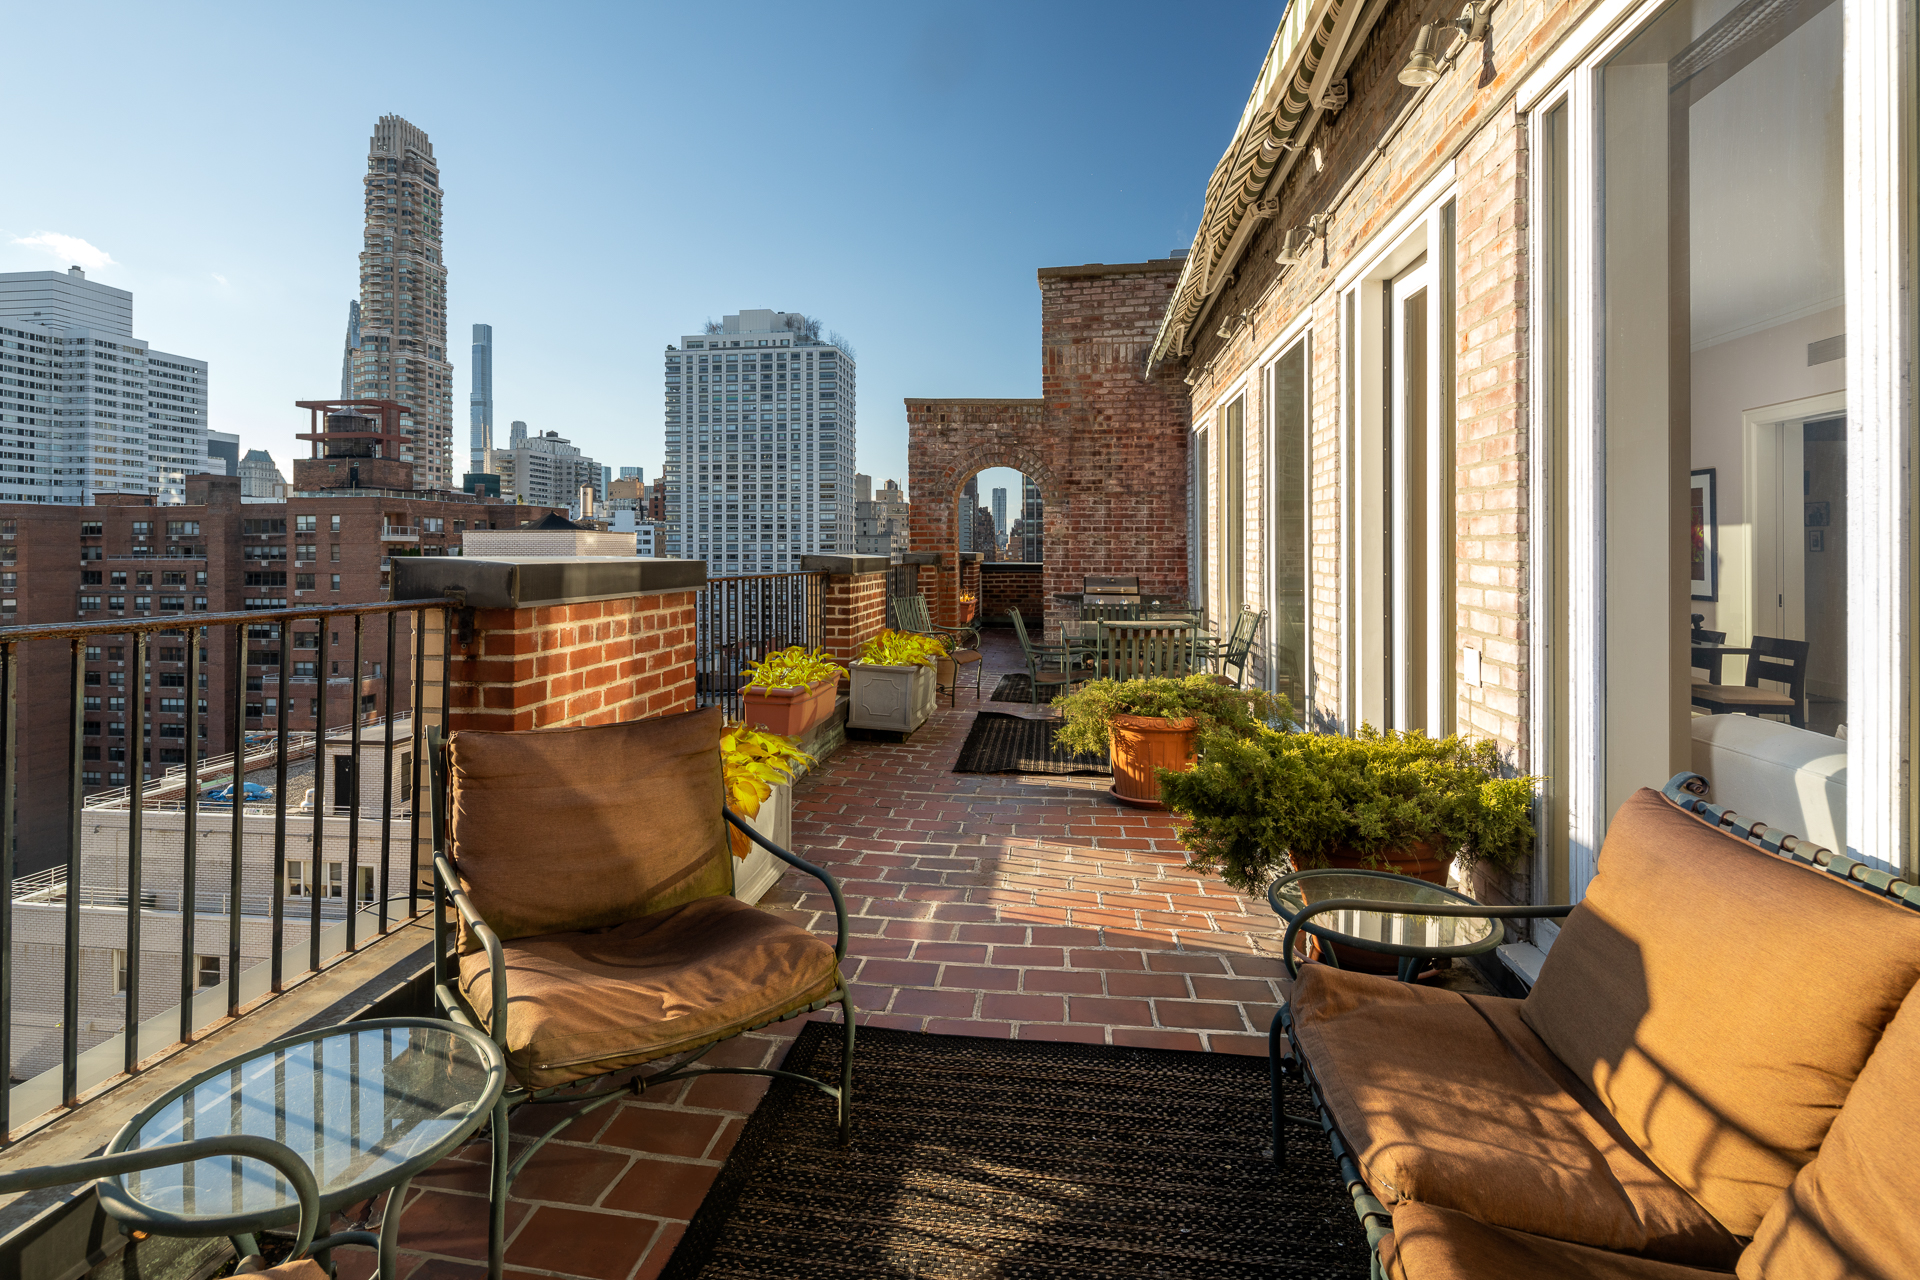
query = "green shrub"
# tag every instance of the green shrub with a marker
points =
(1255, 803)
(1219, 708)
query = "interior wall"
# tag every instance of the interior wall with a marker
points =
(1731, 379)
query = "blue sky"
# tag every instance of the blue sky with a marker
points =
(616, 175)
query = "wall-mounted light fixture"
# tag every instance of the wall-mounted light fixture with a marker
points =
(1295, 244)
(1423, 68)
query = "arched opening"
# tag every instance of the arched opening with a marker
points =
(1000, 514)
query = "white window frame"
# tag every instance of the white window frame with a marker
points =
(1297, 330)
(1879, 227)
(1414, 231)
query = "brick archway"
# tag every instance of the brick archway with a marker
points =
(1106, 443)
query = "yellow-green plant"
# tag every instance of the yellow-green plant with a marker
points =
(901, 649)
(796, 666)
(752, 763)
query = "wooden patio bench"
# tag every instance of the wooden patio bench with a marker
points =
(1717, 1071)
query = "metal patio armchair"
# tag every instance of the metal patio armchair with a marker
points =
(1041, 656)
(592, 875)
(300, 1264)
(1246, 628)
(963, 643)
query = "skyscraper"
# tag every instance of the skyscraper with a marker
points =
(403, 299)
(351, 345)
(482, 399)
(999, 515)
(123, 418)
(760, 445)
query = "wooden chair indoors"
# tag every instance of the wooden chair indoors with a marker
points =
(597, 931)
(1774, 660)
(963, 643)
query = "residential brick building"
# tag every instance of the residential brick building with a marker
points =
(1498, 445)
(218, 553)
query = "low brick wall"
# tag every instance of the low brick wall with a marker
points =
(1013, 584)
(853, 609)
(597, 662)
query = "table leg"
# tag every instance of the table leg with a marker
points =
(390, 1230)
(244, 1246)
(1411, 967)
(497, 1195)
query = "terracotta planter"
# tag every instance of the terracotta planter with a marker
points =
(1420, 861)
(1140, 745)
(790, 710)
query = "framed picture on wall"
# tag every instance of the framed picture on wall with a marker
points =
(1704, 553)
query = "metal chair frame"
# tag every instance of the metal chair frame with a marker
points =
(1246, 628)
(1685, 792)
(239, 1228)
(448, 894)
(1038, 654)
(1137, 650)
(910, 613)
(1109, 612)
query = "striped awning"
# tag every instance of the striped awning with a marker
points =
(1274, 110)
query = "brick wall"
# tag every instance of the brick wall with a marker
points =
(853, 609)
(1106, 443)
(1011, 585)
(598, 662)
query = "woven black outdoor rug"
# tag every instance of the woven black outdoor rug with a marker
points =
(977, 1159)
(1017, 686)
(1002, 743)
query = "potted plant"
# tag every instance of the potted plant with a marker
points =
(1149, 726)
(791, 690)
(1403, 802)
(893, 682)
(758, 769)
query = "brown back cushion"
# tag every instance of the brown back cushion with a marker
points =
(1720, 1001)
(1852, 1211)
(555, 830)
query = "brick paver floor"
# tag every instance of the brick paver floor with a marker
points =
(1034, 907)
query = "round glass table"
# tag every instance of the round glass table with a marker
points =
(1379, 911)
(368, 1105)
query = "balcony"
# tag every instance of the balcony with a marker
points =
(399, 533)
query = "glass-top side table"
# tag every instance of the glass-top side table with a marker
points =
(1379, 911)
(367, 1105)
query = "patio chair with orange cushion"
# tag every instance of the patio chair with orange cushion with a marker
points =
(1673, 1100)
(597, 931)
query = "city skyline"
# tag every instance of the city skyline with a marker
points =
(631, 247)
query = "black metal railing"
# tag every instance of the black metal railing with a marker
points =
(106, 724)
(743, 619)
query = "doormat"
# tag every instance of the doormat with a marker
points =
(1017, 686)
(1002, 743)
(978, 1159)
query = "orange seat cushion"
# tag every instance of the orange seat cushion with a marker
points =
(1678, 993)
(1451, 1100)
(1851, 1214)
(1441, 1244)
(557, 830)
(585, 1003)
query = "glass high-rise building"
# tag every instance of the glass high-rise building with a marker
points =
(480, 403)
(760, 445)
(403, 298)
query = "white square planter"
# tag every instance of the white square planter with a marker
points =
(759, 871)
(893, 698)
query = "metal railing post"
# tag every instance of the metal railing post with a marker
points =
(136, 725)
(10, 679)
(352, 887)
(190, 844)
(239, 829)
(70, 995)
(316, 864)
(277, 931)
